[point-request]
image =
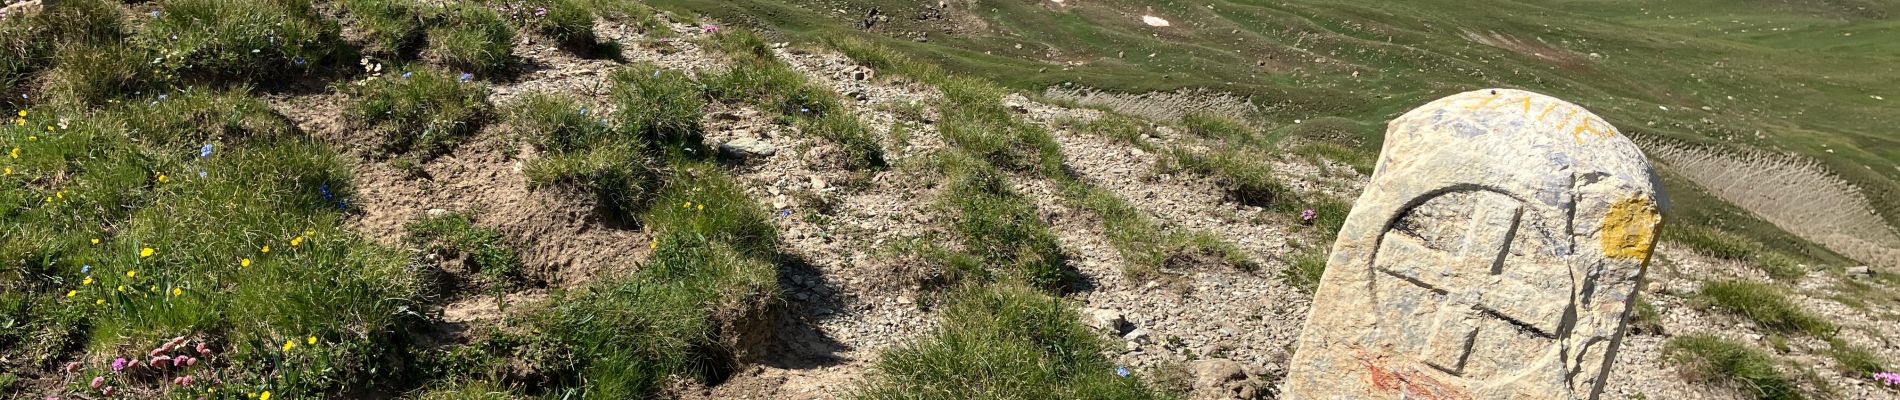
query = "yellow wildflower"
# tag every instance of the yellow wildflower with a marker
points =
(146, 252)
(687, 205)
(98, 301)
(70, 293)
(177, 291)
(22, 113)
(162, 178)
(296, 241)
(33, 138)
(15, 153)
(121, 288)
(60, 194)
(266, 249)
(655, 245)
(244, 262)
(132, 273)
(290, 344)
(88, 281)
(95, 240)
(313, 340)
(264, 396)
(702, 207)
(9, 171)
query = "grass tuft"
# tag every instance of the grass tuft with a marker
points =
(1853, 360)
(1765, 304)
(662, 108)
(1246, 180)
(569, 22)
(695, 305)
(392, 28)
(760, 78)
(1707, 358)
(454, 234)
(1004, 342)
(96, 74)
(1144, 245)
(1306, 270)
(422, 110)
(976, 121)
(471, 38)
(585, 153)
(1220, 127)
(998, 228)
(241, 40)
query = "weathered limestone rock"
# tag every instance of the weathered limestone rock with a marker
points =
(1494, 255)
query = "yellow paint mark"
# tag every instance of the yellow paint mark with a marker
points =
(1547, 109)
(1487, 100)
(1567, 114)
(1527, 104)
(1629, 228)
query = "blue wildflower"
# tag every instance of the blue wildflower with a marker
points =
(466, 76)
(656, 73)
(804, 110)
(298, 60)
(583, 111)
(324, 189)
(154, 13)
(783, 213)
(85, 269)
(204, 151)
(1121, 371)
(405, 75)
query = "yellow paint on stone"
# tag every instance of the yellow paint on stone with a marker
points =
(1629, 228)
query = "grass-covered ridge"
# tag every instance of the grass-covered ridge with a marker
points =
(1725, 73)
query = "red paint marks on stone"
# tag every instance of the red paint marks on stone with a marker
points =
(1407, 380)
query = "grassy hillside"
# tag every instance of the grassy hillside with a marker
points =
(1809, 77)
(586, 199)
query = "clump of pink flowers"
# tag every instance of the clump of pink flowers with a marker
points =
(1308, 215)
(170, 361)
(709, 28)
(1888, 378)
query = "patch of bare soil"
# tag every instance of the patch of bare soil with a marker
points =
(1533, 47)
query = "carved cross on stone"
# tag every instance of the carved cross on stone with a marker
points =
(1493, 255)
(1463, 271)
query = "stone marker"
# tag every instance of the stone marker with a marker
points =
(1494, 255)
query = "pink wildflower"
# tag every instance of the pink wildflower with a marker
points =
(710, 28)
(161, 361)
(98, 380)
(72, 367)
(118, 364)
(187, 360)
(1888, 378)
(1308, 215)
(107, 391)
(183, 380)
(203, 350)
